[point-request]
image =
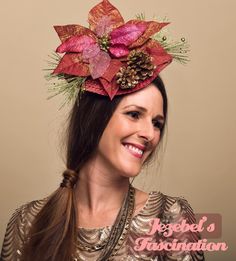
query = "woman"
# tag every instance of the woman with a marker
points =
(96, 214)
(105, 161)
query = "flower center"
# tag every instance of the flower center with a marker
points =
(104, 42)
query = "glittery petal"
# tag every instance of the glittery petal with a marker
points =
(105, 8)
(99, 64)
(119, 50)
(152, 28)
(127, 34)
(104, 26)
(66, 31)
(158, 53)
(112, 70)
(90, 52)
(110, 87)
(72, 64)
(75, 44)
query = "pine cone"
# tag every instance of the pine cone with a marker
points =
(127, 77)
(139, 67)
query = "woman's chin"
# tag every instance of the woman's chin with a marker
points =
(130, 173)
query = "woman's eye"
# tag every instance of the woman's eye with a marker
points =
(158, 124)
(137, 114)
(134, 114)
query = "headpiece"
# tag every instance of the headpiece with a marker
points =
(111, 57)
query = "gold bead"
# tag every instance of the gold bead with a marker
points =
(183, 39)
(164, 38)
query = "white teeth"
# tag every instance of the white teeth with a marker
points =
(130, 147)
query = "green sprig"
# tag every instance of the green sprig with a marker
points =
(178, 49)
(140, 16)
(69, 86)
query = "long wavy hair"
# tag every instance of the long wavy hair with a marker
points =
(53, 234)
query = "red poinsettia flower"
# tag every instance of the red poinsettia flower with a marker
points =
(99, 51)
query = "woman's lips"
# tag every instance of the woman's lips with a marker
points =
(134, 150)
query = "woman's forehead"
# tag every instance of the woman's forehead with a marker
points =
(149, 98)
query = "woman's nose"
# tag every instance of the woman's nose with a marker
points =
(147, 131)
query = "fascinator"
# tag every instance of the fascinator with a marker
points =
(111, 57)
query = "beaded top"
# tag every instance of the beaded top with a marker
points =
(168, 209)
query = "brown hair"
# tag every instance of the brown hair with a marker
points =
(54, 230)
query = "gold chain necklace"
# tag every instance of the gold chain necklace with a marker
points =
(118, 233)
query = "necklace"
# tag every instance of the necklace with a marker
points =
(118, 232)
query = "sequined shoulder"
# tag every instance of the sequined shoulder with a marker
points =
(169, 209)
(176, 207)
(17, 229)
(159, 204)
(175, 210)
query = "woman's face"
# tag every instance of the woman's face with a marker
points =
(132, 133)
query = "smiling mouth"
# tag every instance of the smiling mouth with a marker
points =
(134, 150)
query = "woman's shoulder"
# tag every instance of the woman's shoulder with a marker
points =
(18, 227)
(168, 209)
(177, 209)
(169, 206)
(28, 211)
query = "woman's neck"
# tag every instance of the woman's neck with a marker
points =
(99, 190)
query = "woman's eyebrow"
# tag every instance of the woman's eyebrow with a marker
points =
(158, 117)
